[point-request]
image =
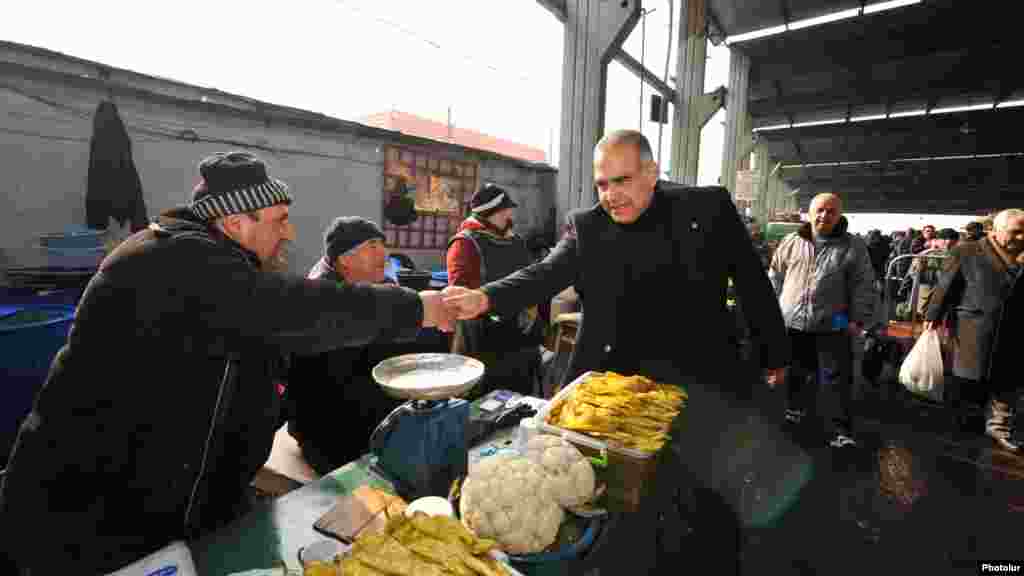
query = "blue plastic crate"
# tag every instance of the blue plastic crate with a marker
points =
(75, 238)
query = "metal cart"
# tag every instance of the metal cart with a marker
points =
(898, 332)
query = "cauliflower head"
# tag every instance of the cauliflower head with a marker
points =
(505, 499)
(570, 476)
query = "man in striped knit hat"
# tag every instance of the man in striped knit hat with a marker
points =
(162, 405)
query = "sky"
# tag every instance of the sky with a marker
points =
(344, 58)
(489, 65)
(493, 65)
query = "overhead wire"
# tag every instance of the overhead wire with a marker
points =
(167, 135)
(504, 73)
(643, 48)
(155, 129)
(42, 136)
(428, 41)
(668, 60)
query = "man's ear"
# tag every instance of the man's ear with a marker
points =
(652, 169)
(230, 225)
(342, 262)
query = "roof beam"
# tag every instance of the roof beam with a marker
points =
(556, 7)
(634, 66)
(912, 79)
(715, 32)
(799, 59)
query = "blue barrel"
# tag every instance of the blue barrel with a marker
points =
(30, 336)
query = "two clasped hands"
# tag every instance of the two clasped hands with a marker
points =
(456, 302)
(442, 308)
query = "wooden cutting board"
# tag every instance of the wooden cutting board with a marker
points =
(365, 509)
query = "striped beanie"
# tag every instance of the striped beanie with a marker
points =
(235, 183)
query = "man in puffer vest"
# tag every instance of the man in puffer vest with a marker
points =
(486, 249)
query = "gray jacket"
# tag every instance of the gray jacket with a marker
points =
(817, 288)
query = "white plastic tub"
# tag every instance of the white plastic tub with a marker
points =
(629, 471)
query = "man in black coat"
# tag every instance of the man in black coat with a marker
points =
(651, 263)
(162, 405)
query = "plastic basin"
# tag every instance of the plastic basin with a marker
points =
(30, 336)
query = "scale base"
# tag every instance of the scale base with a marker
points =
(422, 447)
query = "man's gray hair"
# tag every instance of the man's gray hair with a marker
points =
(630, 138)
(1002, 220)
(827, 196)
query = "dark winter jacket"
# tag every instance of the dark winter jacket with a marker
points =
(654, 292)
(161, 406)
(986, 300)
(879, 248)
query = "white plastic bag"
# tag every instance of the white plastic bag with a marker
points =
(922, 370)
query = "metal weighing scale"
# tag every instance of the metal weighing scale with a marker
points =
(422, 445)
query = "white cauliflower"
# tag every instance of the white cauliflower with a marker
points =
(570, 476)
(505, 499)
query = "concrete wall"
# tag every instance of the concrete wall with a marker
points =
(46, 123)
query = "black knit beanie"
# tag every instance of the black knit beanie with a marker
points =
(347, 232)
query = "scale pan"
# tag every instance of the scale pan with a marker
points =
(428, 376)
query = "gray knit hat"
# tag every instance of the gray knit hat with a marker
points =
(234, 183)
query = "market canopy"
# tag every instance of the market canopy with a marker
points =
(900, 106)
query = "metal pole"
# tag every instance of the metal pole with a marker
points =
(690, 67)
(594, 32)
(735, 117)
(668, 60)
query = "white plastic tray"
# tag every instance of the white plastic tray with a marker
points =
(544, 427)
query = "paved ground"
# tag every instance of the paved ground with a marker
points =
(919, 495)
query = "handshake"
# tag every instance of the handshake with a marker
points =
(442, 308)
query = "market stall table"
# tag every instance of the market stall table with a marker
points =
(275, 530)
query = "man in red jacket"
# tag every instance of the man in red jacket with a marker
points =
(486, 249)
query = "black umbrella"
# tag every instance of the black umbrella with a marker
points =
(114, 189)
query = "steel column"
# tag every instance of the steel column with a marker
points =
(688, 118)
(737, 125)
(764, 177)
(594, 32)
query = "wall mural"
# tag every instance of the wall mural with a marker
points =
(425, 197)
(443, 196)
